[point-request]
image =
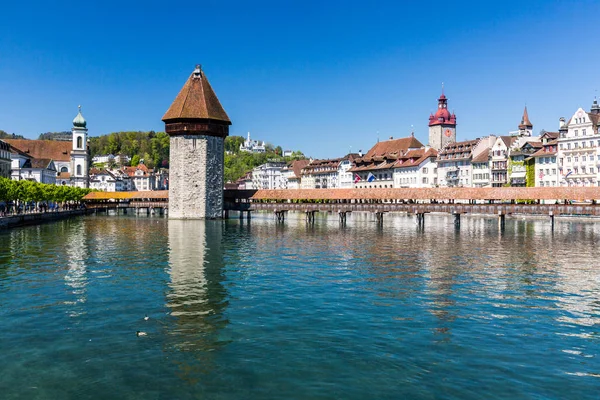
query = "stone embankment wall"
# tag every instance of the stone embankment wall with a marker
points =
(196, 177)
(38, 218)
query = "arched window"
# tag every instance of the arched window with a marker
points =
(79, 142)
(64, 169)
(78, 170)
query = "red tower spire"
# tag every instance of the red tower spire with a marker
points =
(525, 122)
(442, 116)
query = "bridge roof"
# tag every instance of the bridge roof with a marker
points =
(511, 193)
(150, 194)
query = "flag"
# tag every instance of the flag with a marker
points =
(569, 173)
(356, 178)
(370, 177)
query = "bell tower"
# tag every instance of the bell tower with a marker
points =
(79, 154)
(197, 125)
(442, 125)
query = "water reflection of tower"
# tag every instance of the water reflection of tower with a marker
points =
(439, 256)
(196, 295)
(76, 277)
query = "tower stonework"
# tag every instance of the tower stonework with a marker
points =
(442, 125)
(197, 125)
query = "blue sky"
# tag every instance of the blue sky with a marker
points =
(323, 77)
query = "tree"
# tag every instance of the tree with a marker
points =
(135, 160)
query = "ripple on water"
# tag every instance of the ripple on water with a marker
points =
(261, 310)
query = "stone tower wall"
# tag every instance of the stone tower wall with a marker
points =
(435, 137)
(196, 171)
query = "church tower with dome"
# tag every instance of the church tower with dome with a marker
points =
(442, 125)
(79, 153)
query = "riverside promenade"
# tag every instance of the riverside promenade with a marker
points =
(23, 219)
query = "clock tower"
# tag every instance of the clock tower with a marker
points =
(442, 125)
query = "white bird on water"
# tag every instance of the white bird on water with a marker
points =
(140, 333)
(146, 317)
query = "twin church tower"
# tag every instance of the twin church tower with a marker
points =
(197, 125)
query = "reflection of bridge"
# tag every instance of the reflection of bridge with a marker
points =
(456, 201)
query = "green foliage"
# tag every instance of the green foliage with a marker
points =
(26, 191)
(233, 143)
(152, 147)
(530, 172)
(238, 163)
(65, 135)
(135, 160)
(5, 135)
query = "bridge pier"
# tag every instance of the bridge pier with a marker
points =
(280, 215)
(225, 214)
(457, 220)
(501, 220)
(552, 220)
(379, 217)
(343, 215)
(421, 220)
(310, 217)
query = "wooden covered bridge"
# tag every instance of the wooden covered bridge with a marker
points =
(572, 201)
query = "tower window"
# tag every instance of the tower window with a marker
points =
(79, 142)
(79, 170)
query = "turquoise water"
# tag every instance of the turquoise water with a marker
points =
(264, 311)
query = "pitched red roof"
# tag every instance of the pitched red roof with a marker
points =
(545, 151)
(393, 146)
(297, 166)
(41, 163)
(415, 157)
(196, 100)
(484, 156)
(55, 149)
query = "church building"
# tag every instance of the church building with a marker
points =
(58, 161)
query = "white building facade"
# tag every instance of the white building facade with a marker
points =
(578, 149)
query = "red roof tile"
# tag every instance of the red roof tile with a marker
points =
(55, 149)
(196, 100)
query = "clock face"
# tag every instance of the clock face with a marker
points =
(448, 132)
(579, 113)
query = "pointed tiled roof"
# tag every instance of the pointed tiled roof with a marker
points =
(196, 100)
(525, 122)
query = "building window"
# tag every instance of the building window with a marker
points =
(583, 132)
(424, 171)
(79, 170)
(79, 142)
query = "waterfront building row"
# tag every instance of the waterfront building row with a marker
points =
(568, 157)
(126, 179)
